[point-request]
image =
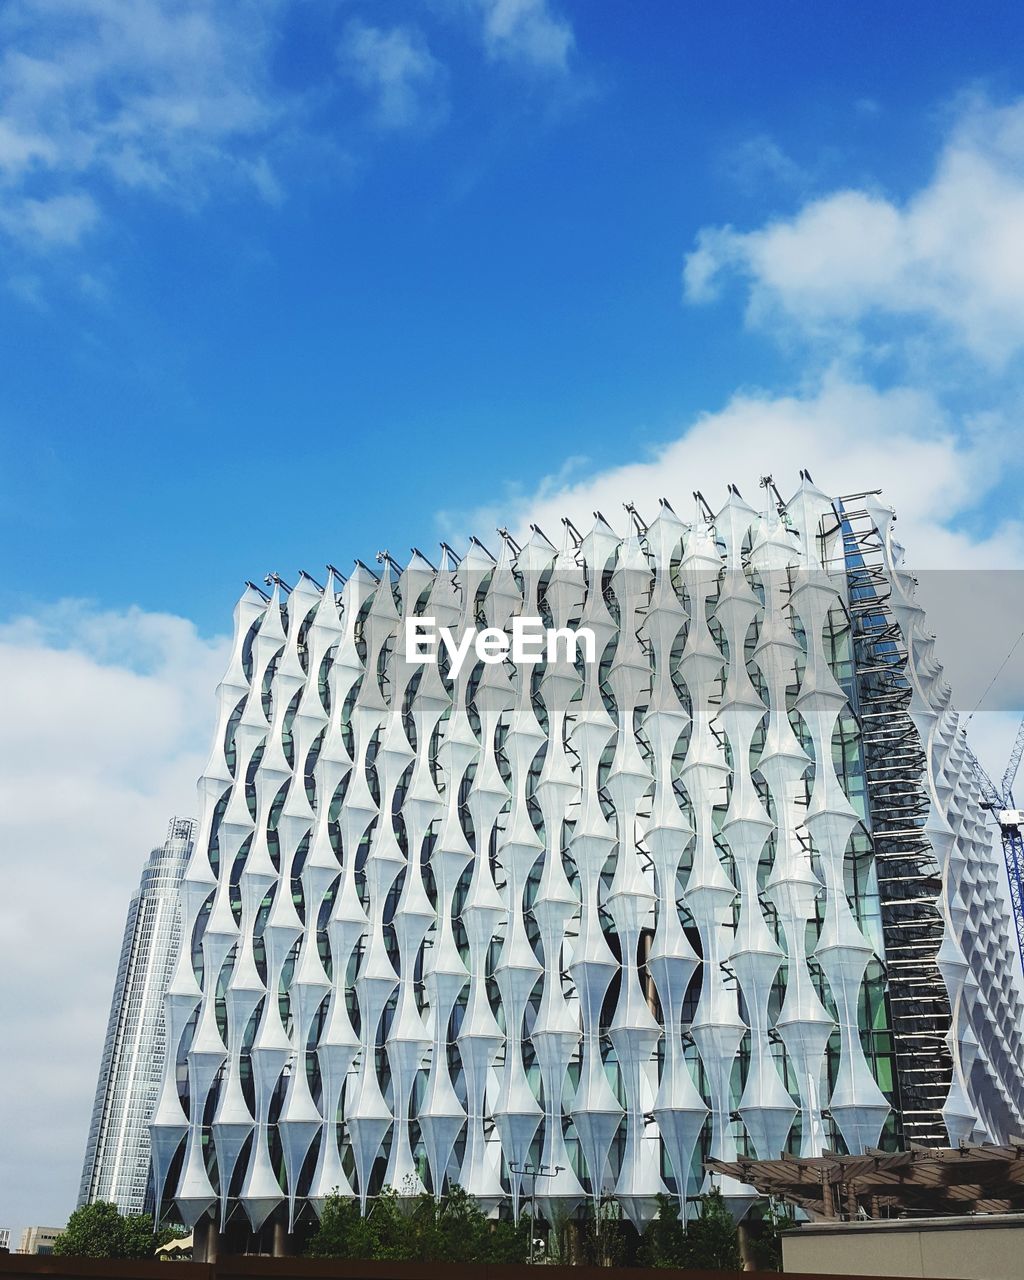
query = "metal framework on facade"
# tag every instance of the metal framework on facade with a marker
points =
(908, 873)
(602, 918)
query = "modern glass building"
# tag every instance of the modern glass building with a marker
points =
(117, 1163)
(724, 890)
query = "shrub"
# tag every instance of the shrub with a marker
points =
(100, 1230)
(709, 1242)
(452, 1229)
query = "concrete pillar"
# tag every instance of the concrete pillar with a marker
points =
(281, 1245)
(206, 1240)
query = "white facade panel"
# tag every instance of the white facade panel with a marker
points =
(599, 917)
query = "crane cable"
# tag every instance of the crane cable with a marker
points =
(998, 673)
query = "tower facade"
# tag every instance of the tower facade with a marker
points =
(117, 1160)
(598, 918)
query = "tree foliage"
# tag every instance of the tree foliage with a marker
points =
(765, 1225)
(450, 1230)
(600, 1239)
(712, 1238)
(709, 1242)
(100, 1230)
(664, 1241)
(455, 1230)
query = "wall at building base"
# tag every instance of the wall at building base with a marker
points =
(15, 1268)
(970, 1248)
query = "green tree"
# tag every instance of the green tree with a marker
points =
(711, 1237)
(342, 1232)
(764, 1228)
(709, 1242)
(601, 1239)
(100, 1230)
(452, 1229)
(391, 1238)
(664, 1241)
(464, 1234)
(508, 1241)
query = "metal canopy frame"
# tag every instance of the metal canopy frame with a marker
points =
(924, 1181)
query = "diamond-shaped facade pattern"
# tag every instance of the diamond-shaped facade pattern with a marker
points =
(602, 917)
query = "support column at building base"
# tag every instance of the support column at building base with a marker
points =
(206, 1242)
(281, 1243)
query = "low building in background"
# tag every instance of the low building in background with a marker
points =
(117, 1164)
(5, 1238)
(969, 1247)
(39, 1239)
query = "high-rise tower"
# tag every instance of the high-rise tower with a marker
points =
(725, 889)
(117, 1163)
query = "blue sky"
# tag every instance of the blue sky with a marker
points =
(285, 282)
(420, 304)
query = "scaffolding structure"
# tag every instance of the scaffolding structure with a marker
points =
(909, 876)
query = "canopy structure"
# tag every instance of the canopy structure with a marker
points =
(971, 1178)
(173, 1248)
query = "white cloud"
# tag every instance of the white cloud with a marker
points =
(177, 99)
(105, 722)
(524, 32)
(20, 151)
(760, 160)
(407, 83)
(851, 437)
(58, 220)
(161, 95)
(951, 255)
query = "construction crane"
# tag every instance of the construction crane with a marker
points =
(999, 801)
